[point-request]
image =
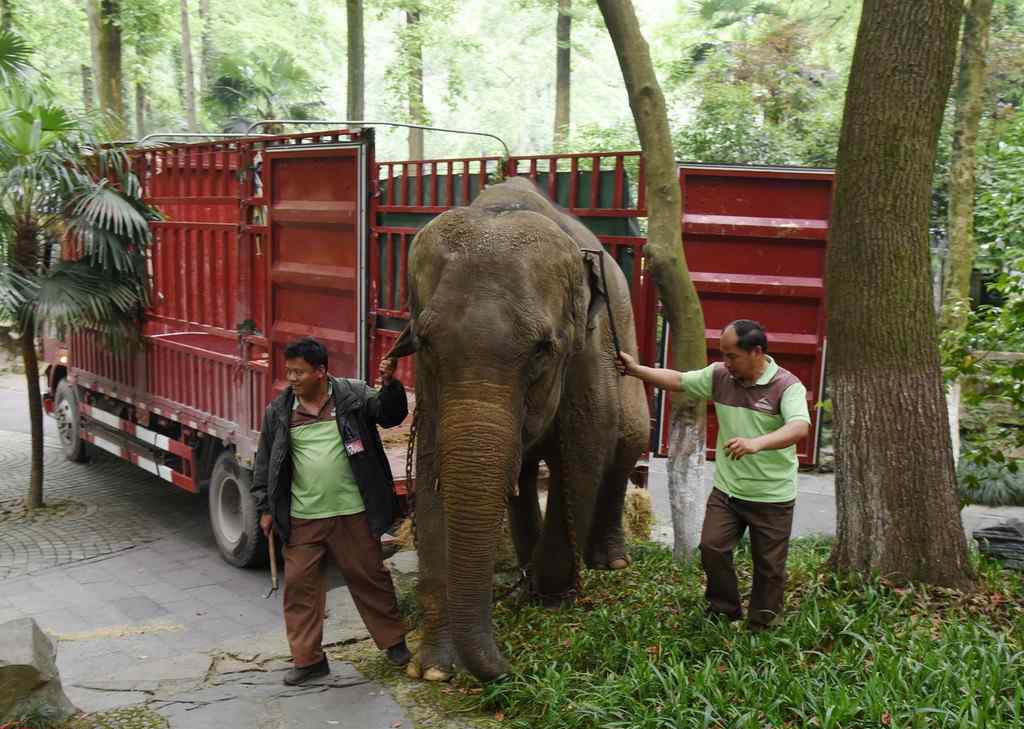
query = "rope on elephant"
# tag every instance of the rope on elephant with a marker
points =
(410, 479)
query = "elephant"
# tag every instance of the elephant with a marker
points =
(515, 364)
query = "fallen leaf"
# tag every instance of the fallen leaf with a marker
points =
(499, 716)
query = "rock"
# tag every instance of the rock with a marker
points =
(1004, 541)
(28, 671)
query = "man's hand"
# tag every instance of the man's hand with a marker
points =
(736, 448)
(386, 370)
(625, 364)
(266, 523)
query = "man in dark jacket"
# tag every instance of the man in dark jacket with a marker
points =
(323, 484)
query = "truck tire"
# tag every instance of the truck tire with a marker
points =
(69, 422)
(233, 516)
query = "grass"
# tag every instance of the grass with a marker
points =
(636, 651)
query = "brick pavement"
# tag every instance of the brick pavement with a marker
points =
(104, 507)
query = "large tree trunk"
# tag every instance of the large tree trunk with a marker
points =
(205, 48)
(897, 510)
(188, 80)
(417, 107)
(356, 60)
(111, 86)
(666, 262)
(92, 13)
(140, 111)
(88, 90)
(563, 73)
(970, 89)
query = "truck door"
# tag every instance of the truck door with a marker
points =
(317, 220)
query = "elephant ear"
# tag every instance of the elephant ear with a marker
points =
(596, 284)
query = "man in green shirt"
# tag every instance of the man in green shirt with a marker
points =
(323, 484)
(762, 413)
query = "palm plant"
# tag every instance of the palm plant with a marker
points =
(74, 234)
(262, 85)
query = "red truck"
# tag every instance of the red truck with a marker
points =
(268, 238)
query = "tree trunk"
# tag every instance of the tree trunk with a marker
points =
(563, 73)
(6, 17)
(30, 360)
(970, 89)
(179, 77)
(88, 96)
(666, 262)
(140, 111)
(92, 12)
(417, 108)
(111, 83)
(897, 509)
(205, 48)
(188, 80)
(356, 60)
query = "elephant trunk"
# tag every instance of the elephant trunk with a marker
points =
(480, 453)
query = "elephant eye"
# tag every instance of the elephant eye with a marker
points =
(544, 347)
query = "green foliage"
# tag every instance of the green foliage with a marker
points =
(993, 384)
(996, 483)
(60, 187)
(36, 715)
(999, 210)
(636, 651)
(267, 83)
(15, 53)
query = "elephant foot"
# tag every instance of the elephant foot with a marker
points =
(433, 661)
(432, 673)
(608, 557)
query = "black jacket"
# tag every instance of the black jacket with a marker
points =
(363, 409)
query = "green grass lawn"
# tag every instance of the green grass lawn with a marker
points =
(636, 651)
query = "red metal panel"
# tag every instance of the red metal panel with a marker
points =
(755, 245)
(314, 215)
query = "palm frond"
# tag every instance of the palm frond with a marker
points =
(77, 295)
(15, 53)
(16, 291)
(102, 207)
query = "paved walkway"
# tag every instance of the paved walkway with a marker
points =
(122, 570)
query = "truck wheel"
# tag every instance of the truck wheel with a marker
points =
(69, 422)
(233, 517)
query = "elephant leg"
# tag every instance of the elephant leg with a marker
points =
(435, 658)
(524, 513)
(606, 548)
(559, 553)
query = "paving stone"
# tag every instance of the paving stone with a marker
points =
(343, 699)
(213, 595)
(139, 608)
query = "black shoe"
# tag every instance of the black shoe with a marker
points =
(300, 675)
(399, 653)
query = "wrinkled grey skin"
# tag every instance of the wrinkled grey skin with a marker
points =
(515, 364)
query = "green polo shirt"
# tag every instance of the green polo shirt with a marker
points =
(777, 398)
(322, 481)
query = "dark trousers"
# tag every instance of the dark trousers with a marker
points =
(349, 542)
(725, 521)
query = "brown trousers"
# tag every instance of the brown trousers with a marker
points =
(357, 553)
(770, 525)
